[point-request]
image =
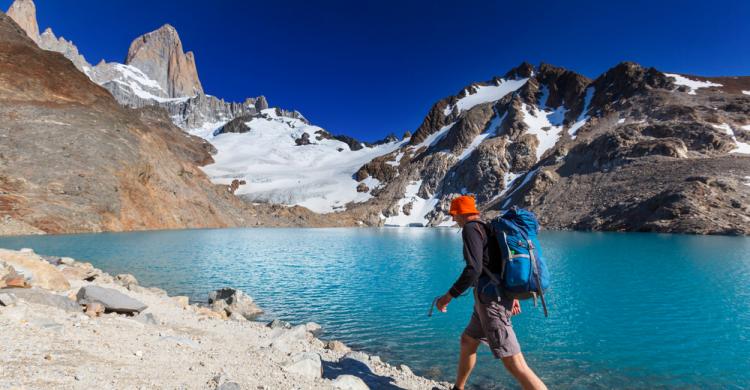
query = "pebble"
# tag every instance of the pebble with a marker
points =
(139, 353)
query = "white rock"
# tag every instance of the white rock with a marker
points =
(349, 382)
(67, 260)
(313, 327)
(26, 250)
(306, 364)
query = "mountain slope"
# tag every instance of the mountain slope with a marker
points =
(74, 160)
(635, 149)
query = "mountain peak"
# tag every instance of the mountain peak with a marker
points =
(23, 12)
(523, 70)
(159, 54)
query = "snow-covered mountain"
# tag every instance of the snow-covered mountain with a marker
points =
(634, 149)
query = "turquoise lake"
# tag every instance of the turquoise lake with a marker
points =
(627, 310)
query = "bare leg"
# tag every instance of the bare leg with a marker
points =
(467, 360)
(517, 366)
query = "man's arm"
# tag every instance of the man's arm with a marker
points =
(473, 254)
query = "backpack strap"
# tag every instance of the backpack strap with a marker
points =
(535, 267)
(492, 276)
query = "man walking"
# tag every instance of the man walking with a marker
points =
(490, 322)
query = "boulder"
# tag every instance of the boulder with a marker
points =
(303, 140)
(337, 346)
(181, 301)
(229, 301)
(16, 282)
(362, 187)
(54, 260)
(47, 298)
(349, 382)
(222, 382)
(126, 280)
(313, 327)
(39, 272)
(94, 309)
(229, 386)
(67, 260)
(8, 299)
(113, 300)
(79, 271)
(7, 271)
(305, 364)
(275, 324)
(290, 340)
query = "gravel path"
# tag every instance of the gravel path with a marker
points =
(171, 345)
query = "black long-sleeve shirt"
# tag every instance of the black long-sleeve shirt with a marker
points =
(479, 248)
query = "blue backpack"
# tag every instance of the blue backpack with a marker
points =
(524, 273)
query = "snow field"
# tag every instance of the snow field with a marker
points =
(742, 147)
(693, 85)
(486, 94)
(316, 176)
(420, 207)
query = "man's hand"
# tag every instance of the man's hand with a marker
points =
(442, 303)
(516, 309)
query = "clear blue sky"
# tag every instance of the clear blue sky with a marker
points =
(368, 68)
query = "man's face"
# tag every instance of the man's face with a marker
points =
(460, 219)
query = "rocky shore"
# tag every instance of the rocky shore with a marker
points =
(69, 325)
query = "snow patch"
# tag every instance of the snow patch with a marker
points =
(491, 130)
(142, 86)
(543, 128)
(692, 85)
(747, 179)
(746, 92)
(276, 170)
(526, 178)
(420, 208)
(397, 160)
(435, 137)
(621, 121)
(486, 94)
(583, 117)
(742, 147)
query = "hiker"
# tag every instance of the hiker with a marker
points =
(490, 322)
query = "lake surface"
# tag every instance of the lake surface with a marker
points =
(627, 310)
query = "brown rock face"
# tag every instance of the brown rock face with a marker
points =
(23, 12)
(159, 55)
(73, 160)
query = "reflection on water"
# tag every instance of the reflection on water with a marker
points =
(626, 310)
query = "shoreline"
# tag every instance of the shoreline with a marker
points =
(4, 234)
(52, 342)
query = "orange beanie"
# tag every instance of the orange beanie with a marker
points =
(464, 204)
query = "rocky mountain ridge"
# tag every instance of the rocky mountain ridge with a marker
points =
(634, 149)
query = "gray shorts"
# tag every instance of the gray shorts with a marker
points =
(490, 324)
